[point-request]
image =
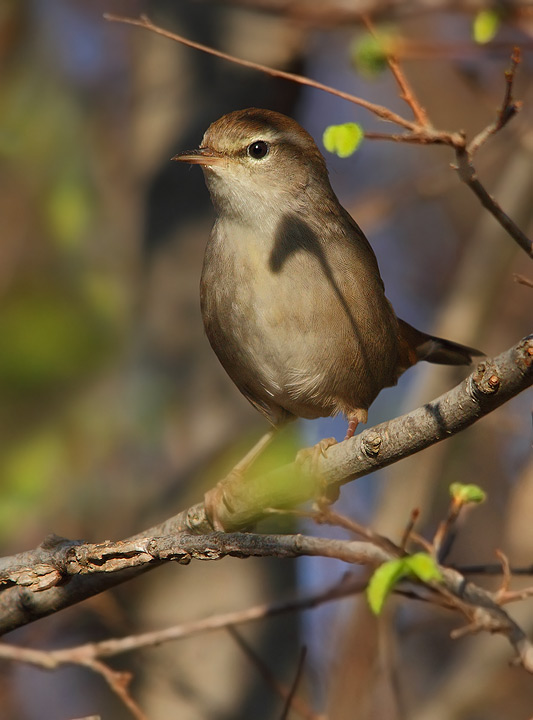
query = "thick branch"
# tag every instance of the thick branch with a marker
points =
(478, 605)
(61, 573)
(489, 386)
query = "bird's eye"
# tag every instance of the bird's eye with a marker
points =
(258, 149)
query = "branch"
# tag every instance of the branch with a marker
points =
(489, 386)
(381, 112)
(480, 607)
(61, 573)
(468, 175)
(419, 132)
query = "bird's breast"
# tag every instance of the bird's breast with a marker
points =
(294, 321)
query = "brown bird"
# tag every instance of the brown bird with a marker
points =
(291, 296)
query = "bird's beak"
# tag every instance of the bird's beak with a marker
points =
(202, 156)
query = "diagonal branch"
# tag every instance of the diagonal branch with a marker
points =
(453, 591)
(61, 573)
(379, 110)
(406, 91)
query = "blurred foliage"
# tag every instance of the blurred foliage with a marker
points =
(29, 471)
(486, 25)
(464, 494)
(369, 51)
(48, 340)
(63, 307)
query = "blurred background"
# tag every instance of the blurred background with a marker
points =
(114, 411)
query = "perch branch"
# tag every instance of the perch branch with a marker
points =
(60, 573)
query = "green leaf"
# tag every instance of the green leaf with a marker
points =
(424, 567)
(467, 493)
(343, 140)
(485, 26)
(369, 52)
(388, 575)
(382, 583)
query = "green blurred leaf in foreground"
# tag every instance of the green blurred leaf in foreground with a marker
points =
(368, 52)
(28, 471)
(47, 340)
(485, 26)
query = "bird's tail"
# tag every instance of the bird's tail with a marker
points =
(416, 345)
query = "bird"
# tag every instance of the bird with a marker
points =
(291, 295)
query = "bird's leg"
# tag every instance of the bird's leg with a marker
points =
(219, 494)
(354, 418)
(352, 427)
(328, 494)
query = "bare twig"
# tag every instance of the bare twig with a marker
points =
(382, 112)
(407, 533)
(506, 575)
(48, 660)
(119, 684)
(406, 91)
(298, 705)
(493, 569)
(514, 595)
(349, 585)
(445, 531)
(508, 108)
(523, 280)
(327, 516)
(468, 175)
(290, 697)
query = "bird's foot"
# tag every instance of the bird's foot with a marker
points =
(217, 501)
(310, 458)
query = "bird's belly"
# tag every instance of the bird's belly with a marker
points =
(289, 344)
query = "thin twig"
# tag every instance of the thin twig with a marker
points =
(512, 596)
(298, 705)
(441, 540)
(468, 175)
(523, 280)
(349, 585)
(327, 516)
(508, 108)
(407, 533)
(492, 569)
(406, 92)
(118, 682)
(382, 112)
(506, 575)
(290, 697)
